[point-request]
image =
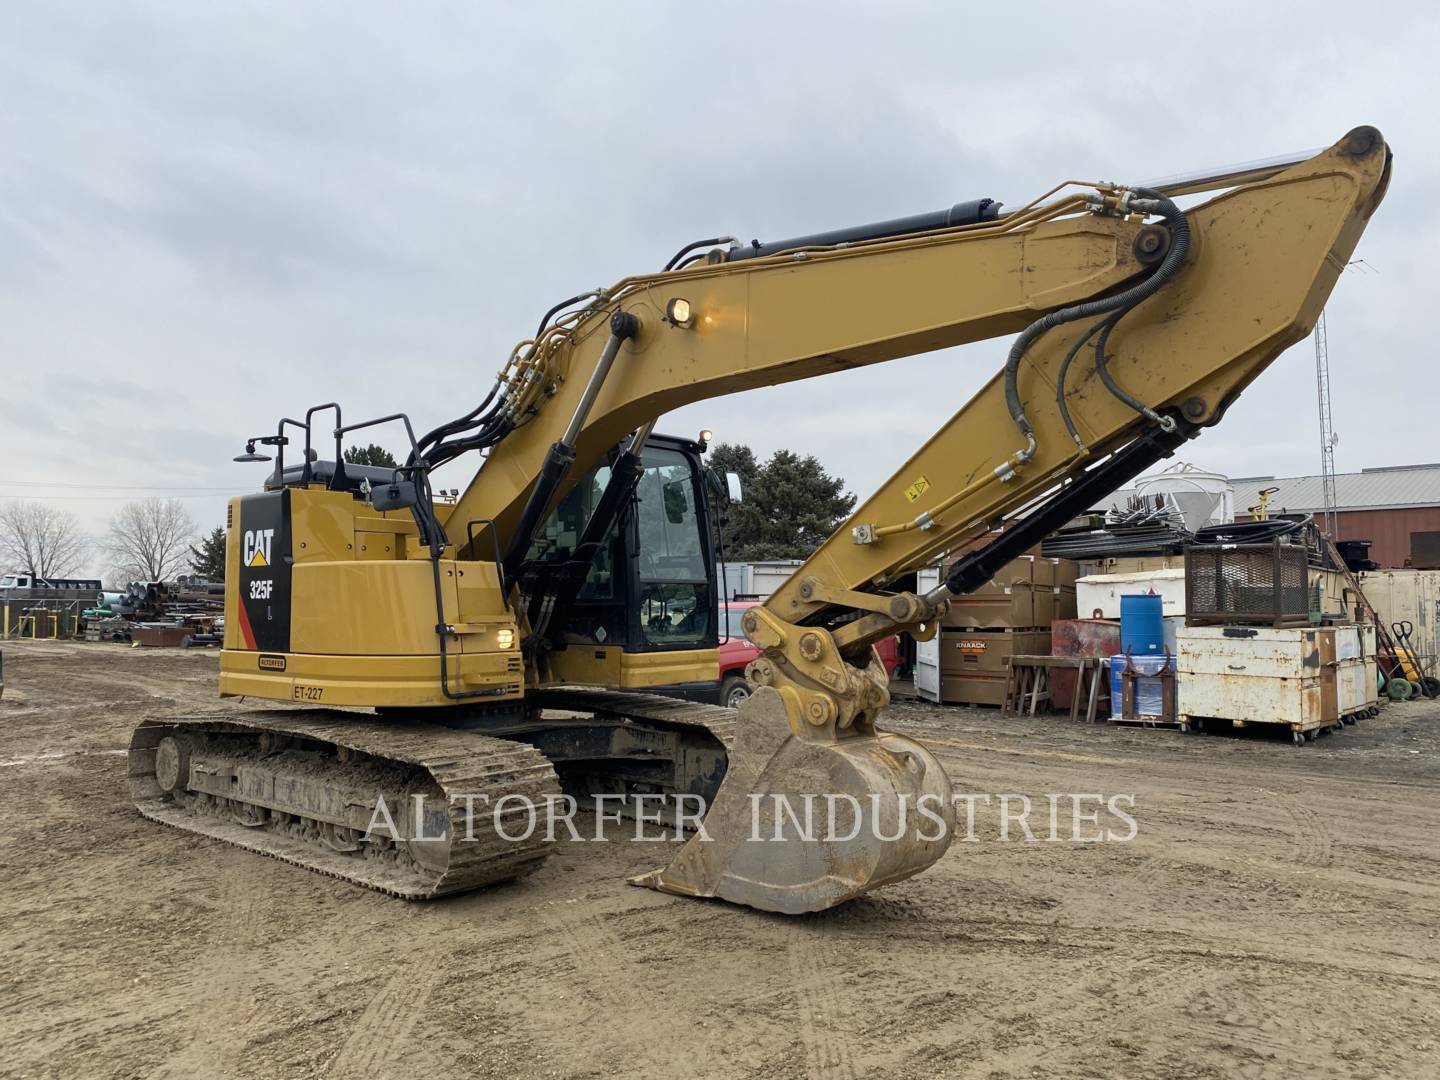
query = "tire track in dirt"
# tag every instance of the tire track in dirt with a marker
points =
(597, 955)
(377, 1042)
(823, 1019)
(1314, 847)
(1176, 996)
(612, 979)
(230, 968)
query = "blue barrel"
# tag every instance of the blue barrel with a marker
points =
(1142, 625)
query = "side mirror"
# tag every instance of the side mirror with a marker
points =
(395, 495)
(723, 485)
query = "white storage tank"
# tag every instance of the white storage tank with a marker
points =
(1203, 498)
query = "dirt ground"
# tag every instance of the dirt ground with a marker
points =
(1276, 915)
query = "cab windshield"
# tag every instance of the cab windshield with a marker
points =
(667, 580)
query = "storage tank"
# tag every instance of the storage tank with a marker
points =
(1203, 498)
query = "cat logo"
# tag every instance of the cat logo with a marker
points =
(255, 547)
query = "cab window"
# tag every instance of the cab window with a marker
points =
(566, 525)
(674, 589)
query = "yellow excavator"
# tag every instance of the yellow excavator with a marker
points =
(459, 661)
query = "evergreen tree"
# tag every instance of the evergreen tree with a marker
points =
(208, 559)
(371, 455)
(790, 504)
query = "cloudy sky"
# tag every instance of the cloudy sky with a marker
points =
(214, 213)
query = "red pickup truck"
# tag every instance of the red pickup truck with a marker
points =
(737, 651)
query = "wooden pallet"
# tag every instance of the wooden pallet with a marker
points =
(1153, 721)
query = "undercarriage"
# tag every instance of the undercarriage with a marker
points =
(415, 808)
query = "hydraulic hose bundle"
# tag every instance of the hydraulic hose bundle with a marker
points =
(1251, 532)
(1114, 308)
(510, 400)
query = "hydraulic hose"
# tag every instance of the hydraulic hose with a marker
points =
(1103, 370)
(463, 423)
(485, 428)
(714, 241)
(545, 321)
(1060, 380)
(1250, 532)
(1151, 202)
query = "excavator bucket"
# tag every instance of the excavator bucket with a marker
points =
(802, 823)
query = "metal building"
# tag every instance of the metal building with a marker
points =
(1397, 508)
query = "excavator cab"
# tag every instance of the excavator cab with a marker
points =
(649, 586)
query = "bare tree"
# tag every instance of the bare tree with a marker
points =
(41, 540)
(150, 540)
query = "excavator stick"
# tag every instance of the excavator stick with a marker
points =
(802, 824)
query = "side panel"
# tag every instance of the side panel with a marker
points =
(264, 572)
(369, 681)
(323, 606)
(616, 668)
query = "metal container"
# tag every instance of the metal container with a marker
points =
(1247, 584)
(1412, 596)
(1006, 601)
(165, 637)
(1259, 675)
(1010, 609)
(979, 688)
(964, 653)
(1102, 592)
(1355, 682)
(1079, 637)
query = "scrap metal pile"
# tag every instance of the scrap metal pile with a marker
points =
(185, 612)
(1146, 525)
